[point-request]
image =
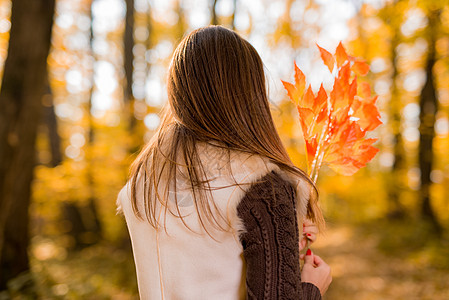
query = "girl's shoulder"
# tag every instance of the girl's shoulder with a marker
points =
(248, 169)
(244, 167)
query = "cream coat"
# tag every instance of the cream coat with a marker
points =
(188, 264)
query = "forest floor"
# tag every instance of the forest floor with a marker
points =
(368, 261)
(371, 262)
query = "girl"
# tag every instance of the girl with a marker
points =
(213, 202)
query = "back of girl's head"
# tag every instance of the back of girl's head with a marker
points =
(216, 87)
(216, 93)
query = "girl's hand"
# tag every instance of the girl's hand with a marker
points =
(316, 271)
(309, 232)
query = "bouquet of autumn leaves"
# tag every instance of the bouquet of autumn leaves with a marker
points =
(335, 124)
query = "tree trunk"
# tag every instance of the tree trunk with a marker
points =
(89, 214)
(214, 20)
(428, 108)
(85, 227)
(233, 14)
(149, 42)
(395, 183)
(54, 139)
(23, 86)
(128, 42)
(51, 122)
(181, 25)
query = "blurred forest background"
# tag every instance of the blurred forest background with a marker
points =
(83, 82)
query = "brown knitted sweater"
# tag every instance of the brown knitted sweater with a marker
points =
(271, 242)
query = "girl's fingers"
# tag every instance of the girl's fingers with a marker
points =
(317, 260)
(310, 237)
(307, 222)
(309, 258)
(310, 229)
(303, 243)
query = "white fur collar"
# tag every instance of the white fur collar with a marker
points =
(247, 169)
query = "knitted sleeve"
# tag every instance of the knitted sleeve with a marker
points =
(271, 242)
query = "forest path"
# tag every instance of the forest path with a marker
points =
(361, 271)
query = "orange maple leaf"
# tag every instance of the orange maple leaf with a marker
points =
(335, 124)
(327, 58)
(360, 68)
(296, 91)
(340, 55)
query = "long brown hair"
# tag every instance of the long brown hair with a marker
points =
(216, 94)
